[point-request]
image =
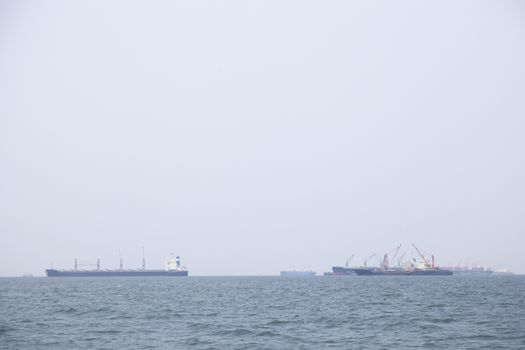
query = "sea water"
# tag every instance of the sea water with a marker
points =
(375, 312)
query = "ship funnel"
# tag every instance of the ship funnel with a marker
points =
(177, 261)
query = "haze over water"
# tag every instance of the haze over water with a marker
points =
(250, 137)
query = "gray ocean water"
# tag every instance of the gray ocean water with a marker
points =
(263, 313)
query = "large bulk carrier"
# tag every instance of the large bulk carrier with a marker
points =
(422, 268)
(173, 269)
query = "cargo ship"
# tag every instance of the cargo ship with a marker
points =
(472, 271)
(423, 268)
(403, 272)
(173, 269)
(296, 273)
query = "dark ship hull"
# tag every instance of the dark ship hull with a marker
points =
(401, 272)
(342, 271)
(114, 273)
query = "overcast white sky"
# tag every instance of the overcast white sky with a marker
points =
(255, 136)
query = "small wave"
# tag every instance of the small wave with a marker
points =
(438, 305)
(5, 329)
(120, 317)
(442, 320)
(197, 341)
(199, 326)
(100, 310)
(482, 337)
(69, 310)
(277, 322)
(105, 331)
(89, 338)
(237, 332)
(157, 317)
(267, 334)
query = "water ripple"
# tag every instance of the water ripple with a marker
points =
(263, 313)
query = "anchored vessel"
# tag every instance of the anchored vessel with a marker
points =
(295, 273)
(416, 271)
(423, 268)
(473, 271)
(173, 268)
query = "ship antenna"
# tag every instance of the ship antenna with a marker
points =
(143, 260)
(76, 264)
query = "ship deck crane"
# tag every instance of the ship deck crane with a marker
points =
(397, 251)
(385, 263)
(348, 260)
(370, 257)
(400, 259)
(421, 255)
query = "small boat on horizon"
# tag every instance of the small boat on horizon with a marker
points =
(298, 273)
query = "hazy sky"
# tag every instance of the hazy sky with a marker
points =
(254, 136)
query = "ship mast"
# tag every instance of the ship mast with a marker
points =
(120, 254)
(143, 260)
